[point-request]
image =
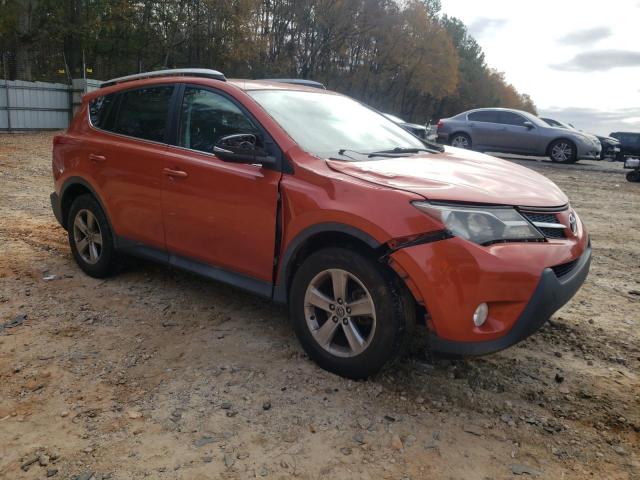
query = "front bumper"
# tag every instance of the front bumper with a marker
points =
(517, 281)
(550, 294)
(589, 152)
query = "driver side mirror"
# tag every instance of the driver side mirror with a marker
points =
(242, 148)
(529, 125)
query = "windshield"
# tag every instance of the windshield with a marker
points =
(325, 124)
(557, 123)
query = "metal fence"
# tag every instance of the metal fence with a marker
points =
(29, 106)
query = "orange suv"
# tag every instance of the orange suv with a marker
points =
(313, 199)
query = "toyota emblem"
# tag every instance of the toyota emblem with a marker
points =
(573, 223)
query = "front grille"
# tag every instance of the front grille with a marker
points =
(539, 217)
(564, 269)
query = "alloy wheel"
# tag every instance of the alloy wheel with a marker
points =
(460, 141)
(87, 236)
(340, 313)
(561, 152)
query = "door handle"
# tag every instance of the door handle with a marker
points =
(175, 173)
(97, 158)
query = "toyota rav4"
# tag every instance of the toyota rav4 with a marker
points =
(310, 198)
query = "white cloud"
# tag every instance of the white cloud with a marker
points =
(530, 39)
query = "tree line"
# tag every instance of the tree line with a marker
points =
(401, 56)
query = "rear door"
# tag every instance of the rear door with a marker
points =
(217, 213)
(484, 127)
(127, 154)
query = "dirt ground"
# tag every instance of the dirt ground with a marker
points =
(161, 374)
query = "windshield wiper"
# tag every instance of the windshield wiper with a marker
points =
(399, 151)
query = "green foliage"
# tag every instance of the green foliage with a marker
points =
(399, 56)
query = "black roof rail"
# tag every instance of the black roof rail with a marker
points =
(188, 72)
(298, 81)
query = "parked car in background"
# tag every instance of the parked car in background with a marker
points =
(634, 165)
(515, 131)
(418, 130)
(610, 145)
(310, 198)
(629, 144)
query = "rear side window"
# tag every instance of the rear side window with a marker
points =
(510, 118)
(483, 116)
(101, 110)
(143, 113)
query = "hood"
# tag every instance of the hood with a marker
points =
(459, 175)
(608, 139)
(415, 126)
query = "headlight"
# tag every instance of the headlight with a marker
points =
(482, 225)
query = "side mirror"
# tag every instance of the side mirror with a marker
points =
(529, 125)
(242, 148)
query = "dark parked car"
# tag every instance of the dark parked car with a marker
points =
(515, 131)
(629, 144)
(610, 145)
(418, 130)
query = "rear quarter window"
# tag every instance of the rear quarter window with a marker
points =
(101, 111)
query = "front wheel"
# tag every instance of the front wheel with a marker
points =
(350, 315)
(563, 151)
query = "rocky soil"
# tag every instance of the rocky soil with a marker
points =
(161, 374)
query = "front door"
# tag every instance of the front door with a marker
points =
(515, 136)
(221, 215)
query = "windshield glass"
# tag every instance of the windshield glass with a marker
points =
(324, 124)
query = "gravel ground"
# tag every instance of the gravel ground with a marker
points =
(158, 373)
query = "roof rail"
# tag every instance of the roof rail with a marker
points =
(189, 72)
(298, 81)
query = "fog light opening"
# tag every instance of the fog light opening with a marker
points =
(480, 315)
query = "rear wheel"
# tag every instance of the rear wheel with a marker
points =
(90, 237)
(350, 315)
(563, 151)
(461, 140)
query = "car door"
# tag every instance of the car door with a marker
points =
(515, 135)
(483, 127)
(126, 152)
(219, 214)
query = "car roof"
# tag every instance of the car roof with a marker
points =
(242, 84)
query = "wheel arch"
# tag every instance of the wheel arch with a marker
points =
(72, 188)
(311, 240)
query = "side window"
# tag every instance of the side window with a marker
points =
(206, 116)
(101, 110)
(143, 113)
(483, 116)
(510, 118)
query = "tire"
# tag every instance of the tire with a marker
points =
(384, 332)
(98, 260)
(563, 151)
(633, 176)
(461, 140)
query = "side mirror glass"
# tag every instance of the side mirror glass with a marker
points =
(529, 125)
(242, 148)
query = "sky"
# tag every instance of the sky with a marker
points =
(578, 59)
